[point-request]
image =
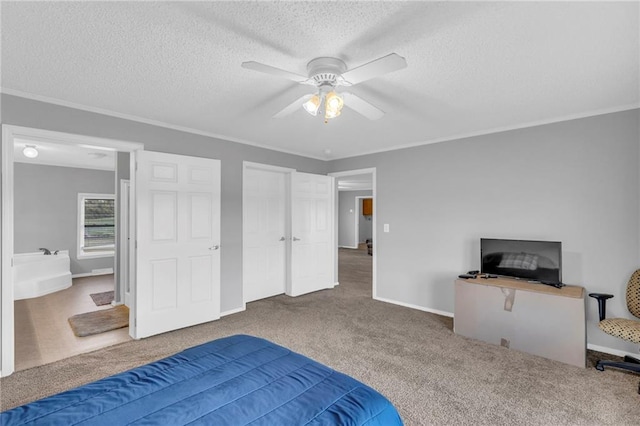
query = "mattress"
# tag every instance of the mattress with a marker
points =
(237, 380)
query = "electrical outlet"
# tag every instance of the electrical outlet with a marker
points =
(386, 227)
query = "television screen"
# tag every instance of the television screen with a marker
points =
(531, 260)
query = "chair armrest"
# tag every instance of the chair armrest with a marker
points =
(602, 303)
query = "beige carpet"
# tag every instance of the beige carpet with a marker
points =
(431, 375)
(97, 322)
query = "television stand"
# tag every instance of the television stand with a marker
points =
(529, 317)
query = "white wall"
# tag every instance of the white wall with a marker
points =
(346, 216)
(575, 181)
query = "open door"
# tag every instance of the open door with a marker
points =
(178, 242)
(313, 246)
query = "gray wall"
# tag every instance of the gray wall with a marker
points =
(29, 113)
(576, 181)
(346, 217)
(46, 209)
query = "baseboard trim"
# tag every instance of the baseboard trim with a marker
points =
(349, 247)
(234, 311)
(610, 351)
(419, 308)
(90, 274)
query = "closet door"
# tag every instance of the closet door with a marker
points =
(312, 246)
(264, 233)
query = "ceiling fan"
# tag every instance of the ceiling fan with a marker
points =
(328, 73)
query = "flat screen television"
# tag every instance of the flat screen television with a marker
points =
(529, 260)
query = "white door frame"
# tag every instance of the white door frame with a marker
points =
(124, 253)
(9, 133)
(287, 172)
(371, 170)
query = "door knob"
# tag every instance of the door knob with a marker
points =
(281, 239)
(214, 247)
(296, 239)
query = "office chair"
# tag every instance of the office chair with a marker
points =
(623, 328)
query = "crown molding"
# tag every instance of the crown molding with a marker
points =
(489, 131)
(157, 123)
(503, 129)
(71, 166)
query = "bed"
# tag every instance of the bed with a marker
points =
(236, 380)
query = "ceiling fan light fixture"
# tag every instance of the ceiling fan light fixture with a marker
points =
(326, 73)
(333, 104)
(312, 105)
(30, 151)
(333, 101)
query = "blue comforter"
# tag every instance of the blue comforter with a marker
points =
(237, 380)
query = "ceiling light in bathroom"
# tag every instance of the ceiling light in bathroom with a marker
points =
(30, 151)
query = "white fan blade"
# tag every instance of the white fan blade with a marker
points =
(361, 106)
(386, 64)
(268, 69)
(293, 106)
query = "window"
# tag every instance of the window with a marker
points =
(96, 225)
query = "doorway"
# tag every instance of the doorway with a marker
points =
(124, 270)
(13, 139)
(363, 234)
(351, 188)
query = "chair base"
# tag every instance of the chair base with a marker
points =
(628, 358)
(630, 363)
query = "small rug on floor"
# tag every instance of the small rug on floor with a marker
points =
(103, 298)
(101, 321)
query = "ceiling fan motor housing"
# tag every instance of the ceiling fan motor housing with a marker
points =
(326, 71)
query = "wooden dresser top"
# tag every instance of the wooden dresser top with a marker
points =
(566, 291)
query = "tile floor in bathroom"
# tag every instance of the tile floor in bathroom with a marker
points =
(42, 332)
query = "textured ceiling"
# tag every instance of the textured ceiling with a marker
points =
(472, 67)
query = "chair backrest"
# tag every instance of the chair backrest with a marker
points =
(633, 294)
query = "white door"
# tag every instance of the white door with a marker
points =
(312, 247)
(178, 242)
(264, 232)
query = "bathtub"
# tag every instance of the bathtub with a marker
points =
(35, 274)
